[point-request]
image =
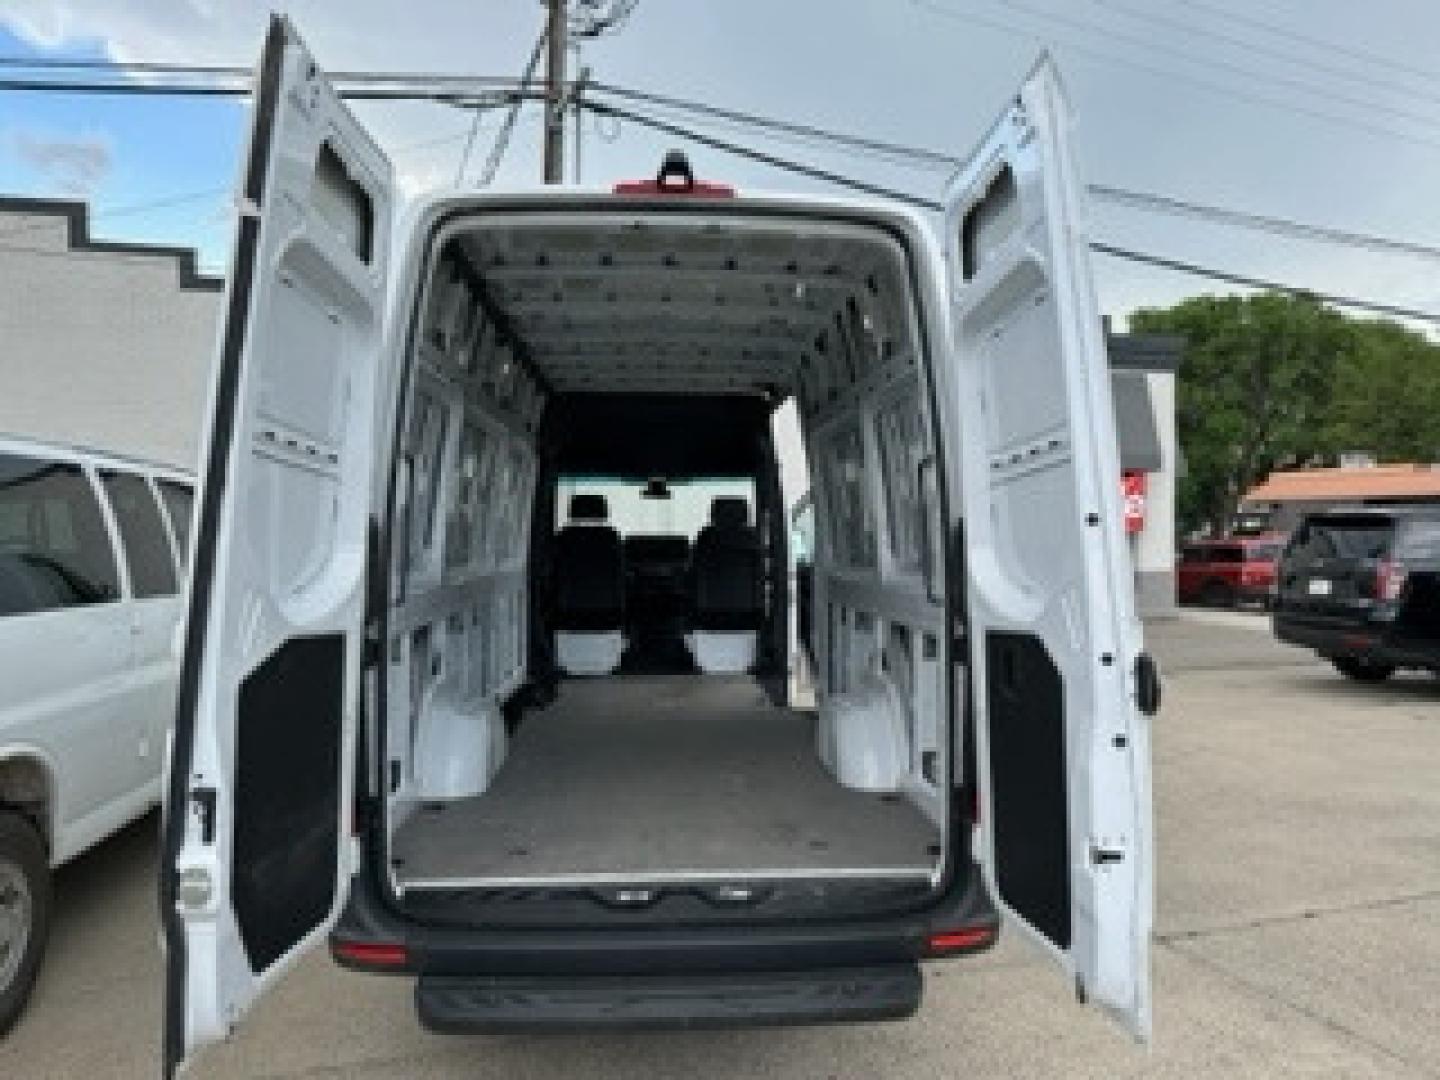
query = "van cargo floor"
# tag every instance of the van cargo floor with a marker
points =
(662, 777)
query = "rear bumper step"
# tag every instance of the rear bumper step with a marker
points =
(529, 1003)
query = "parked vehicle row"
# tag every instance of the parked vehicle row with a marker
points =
(92, 559)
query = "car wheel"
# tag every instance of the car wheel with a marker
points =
(1217, 594)
(1363, 670)
(24, 913)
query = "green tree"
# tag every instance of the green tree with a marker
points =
(1255, 391)
(1387, 400)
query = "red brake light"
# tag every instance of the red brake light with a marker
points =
(949, 941)
(1389, 580)
(371, 954)
(675, 178)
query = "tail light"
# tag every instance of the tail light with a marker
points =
(966, 939)
(1389, 580)
(376, 955)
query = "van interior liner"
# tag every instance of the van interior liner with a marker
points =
(590, 643)
(675, 776)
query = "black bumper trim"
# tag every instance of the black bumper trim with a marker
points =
(647, 1002)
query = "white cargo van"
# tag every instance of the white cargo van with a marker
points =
(91, 560)
(456, 700)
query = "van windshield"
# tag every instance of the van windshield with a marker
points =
(684, 512)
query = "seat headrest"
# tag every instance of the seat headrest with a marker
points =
(588, 506)
(730, 512)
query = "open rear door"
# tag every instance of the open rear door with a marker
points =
(1058, 677)
(257, 848)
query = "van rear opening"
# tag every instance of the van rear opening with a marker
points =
(592, 671)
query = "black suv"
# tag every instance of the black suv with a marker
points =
(1362, 588)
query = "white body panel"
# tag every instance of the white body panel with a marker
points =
(1049, 587)
(259, 864)
(89, 690)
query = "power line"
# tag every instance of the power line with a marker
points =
(1248, 44)
(1194, 269)
(788, 126)
(507, 128)
(453, 93)
(1110, 59)
(1115, 195)
(1371, 59)
(1280, 226)
(810, 171)
(246, 71)
(1311, 89)
(1247, 281)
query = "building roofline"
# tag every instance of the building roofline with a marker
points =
(77, 218)
(1145, 352)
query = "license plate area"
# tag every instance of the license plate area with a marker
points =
(1320, 587)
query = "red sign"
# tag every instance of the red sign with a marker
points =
(1132, 489)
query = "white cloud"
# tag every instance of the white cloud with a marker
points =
(77, 165)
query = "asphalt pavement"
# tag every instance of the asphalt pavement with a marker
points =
(1298, 928)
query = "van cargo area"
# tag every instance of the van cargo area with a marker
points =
(691, 776)
(592, 657)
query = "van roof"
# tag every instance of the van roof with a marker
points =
(21, 444)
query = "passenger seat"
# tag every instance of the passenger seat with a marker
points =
(728, 599)
(589, 590)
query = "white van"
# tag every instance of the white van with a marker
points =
(456, 700)
(91, 563)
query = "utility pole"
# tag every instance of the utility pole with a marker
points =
(555, 94)
(581, 78)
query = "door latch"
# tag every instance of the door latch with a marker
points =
(1105, 856)
(204, 800)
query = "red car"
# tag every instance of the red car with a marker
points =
(1226, 572)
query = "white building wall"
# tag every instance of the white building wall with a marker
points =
(1155, 543)
(104, 345)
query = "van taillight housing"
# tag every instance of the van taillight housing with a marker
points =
(375, 955)
(964, 939)
(1389, 579)
(675, 178)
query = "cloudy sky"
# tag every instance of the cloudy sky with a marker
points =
(1326, 111)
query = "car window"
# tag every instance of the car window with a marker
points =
(147, 551)
(179, 500)
(54, 548)
(1419, 541)
(1342, 538)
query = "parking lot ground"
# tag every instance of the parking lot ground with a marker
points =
(1298, 928)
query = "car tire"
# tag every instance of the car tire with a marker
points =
(24, 913)
(1217, 594)
(1364, 671)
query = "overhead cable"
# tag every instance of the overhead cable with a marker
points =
(507, 129)
(1276, 225)
(1112, 58)
(1375, 307)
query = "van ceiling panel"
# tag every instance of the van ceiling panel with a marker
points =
(680, 302)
